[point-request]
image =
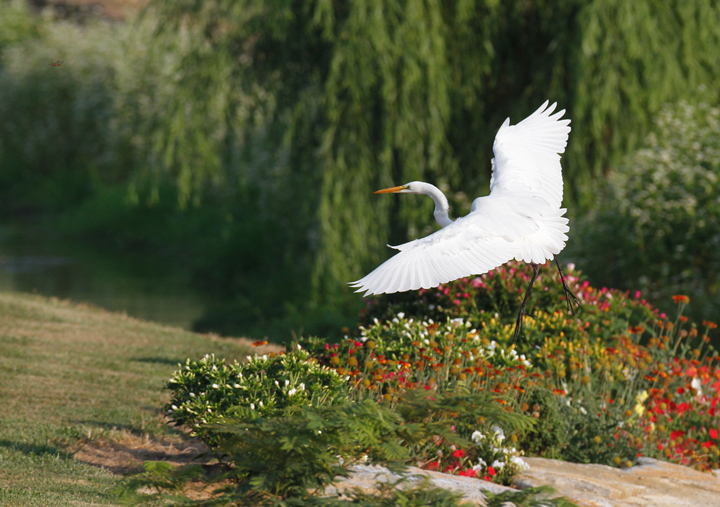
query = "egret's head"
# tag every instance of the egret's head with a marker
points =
(409, 188)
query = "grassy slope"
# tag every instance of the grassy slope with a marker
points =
(72, 371)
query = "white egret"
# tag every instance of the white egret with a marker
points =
(520, 219)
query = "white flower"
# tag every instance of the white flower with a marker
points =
(481, 464)
(215, 386)
(497, 464)
(584, 412)
(174, 407)
(260, 403)
(286, 383)
(302, 386)
(291, 391)
(236, 386)
(192, 395)
(519, 462)
(697, 385)
(252, 406)
(477, 437)
(401, 315)
(457, 321)
(499, 433)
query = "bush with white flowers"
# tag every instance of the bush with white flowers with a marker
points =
(496, 461)
(211, 391)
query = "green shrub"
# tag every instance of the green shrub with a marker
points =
(657, 229)
(290, 459)
(17, 23)
(209, 391)
(549, 436)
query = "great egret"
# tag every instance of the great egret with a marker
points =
(520, 219)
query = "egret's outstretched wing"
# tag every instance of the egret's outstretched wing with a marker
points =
(527, 156)
(497, 231)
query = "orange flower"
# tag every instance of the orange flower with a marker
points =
(709, 324)
(681, 299)
(260, 342)
(683, 318)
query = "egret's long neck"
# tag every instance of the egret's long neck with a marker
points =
(441, 203)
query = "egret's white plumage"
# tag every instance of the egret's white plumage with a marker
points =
(520, 219)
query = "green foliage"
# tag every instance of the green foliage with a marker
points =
(549, 436)
(16, 23)
(209, 391)
(356, 99)
(55, 121)
(306, 448)
(658, 227)
(530, 497)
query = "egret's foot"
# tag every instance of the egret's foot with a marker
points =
(568, 293)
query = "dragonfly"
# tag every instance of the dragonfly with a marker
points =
(58, 63)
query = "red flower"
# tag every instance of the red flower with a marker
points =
(681, 299)
(713, 434)
(468, 473)
(675, 434)
(491, 471)
(459, 453)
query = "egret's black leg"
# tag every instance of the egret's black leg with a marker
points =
(518, 322)
(568, 293)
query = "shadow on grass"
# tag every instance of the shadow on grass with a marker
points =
(127, 455)
(159, 360)
(35, 449)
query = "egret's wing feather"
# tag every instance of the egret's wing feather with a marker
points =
(474, 244)
(527, 156)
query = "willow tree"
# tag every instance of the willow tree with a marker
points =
(319, 102)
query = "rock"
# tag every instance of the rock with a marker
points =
(653, 483)
(365, 478)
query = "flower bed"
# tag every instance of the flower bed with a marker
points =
(616, 381)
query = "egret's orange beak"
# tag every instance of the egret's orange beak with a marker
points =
(391, 190)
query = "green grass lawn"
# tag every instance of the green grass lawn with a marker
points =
(73, 376)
